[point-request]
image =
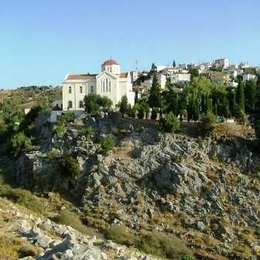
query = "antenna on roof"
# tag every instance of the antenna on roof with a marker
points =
(136, 65)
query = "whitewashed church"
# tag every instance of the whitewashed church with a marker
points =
(111, 82)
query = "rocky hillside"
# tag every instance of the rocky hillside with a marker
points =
(25, 235)
(175, 196)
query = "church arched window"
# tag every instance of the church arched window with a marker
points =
(69, 104)
(106, 85)
(109, 85)
(81, 105)
(69, 89)
(80, 89)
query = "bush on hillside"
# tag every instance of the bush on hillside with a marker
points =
(120, 234)
(68, 117)
(88, 132)
(169, 123)
(207, 124)
(70, 166)
(59, 130)
(20, 142)
(257, 129)
(106, 144)
(71, 219)
(163, 245)
(93, 103)
(123, 105)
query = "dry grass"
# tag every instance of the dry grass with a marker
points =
(232, 130)
(12, 247)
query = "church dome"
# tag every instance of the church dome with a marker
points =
(110, 62)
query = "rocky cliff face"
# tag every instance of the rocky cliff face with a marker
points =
(203, 191)
(39, 238)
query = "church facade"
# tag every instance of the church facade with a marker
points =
(110, 82)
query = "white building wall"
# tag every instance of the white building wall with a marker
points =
(74, 91)
(105, 84)
(114, 69)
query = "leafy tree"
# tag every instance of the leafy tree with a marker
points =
(123, 105)
(194, 73)
(169, 123)
(219, 97)
(257, 97)
(231, 97)
(3, 125)
(155, 93)
(207, 124)
(257, 129)
(240, 96)
(104, 102)
(168, 84)
(142, 108)
(70, 166)
(93, 103)
(173, 64)
(250, 96)
(20, 142)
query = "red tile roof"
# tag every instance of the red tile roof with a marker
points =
(81, 77)
(110, 62)
(123, 75)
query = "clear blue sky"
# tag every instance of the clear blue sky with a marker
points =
(41, 41)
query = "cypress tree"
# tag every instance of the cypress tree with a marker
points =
(154, 99)
(240, 97)
(250, 96)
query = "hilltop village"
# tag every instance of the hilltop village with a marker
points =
(159, 164)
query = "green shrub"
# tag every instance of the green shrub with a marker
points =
(207, 124)
(257, 129)
(120, 234)
(22, 197)
(88, 132)
(68, 117)
(155, 111)
(53, 154)
(123, 105)
(70, 166)
(106, 144)
(71, 219)
(163, 245)
(14, 248)
(93, 103)
(20, 142)
(59, 130)
(169, 123)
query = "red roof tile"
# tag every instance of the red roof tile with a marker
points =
(110, 62)
(81, 77)
(123, 75)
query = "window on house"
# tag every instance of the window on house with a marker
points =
(69, 89)
(92, 89)
(80, 89)
(81, 104)
(69, 104)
